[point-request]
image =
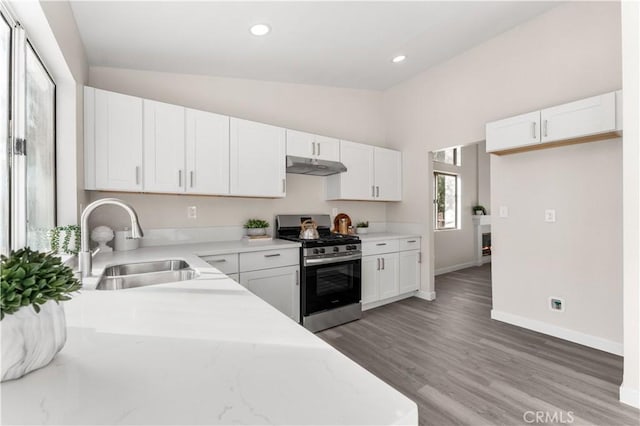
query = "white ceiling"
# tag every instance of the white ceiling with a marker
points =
(344, 44)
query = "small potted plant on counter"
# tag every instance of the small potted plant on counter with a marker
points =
(32, 319)
(256, 227)
(362, 227)
(479, 210)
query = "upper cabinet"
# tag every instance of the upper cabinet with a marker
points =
(585, 120)
(373, 173)
(113, 141)
(164, 147)
(307, 145)
(207, 153)
(258, 159)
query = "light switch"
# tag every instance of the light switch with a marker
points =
(192, 212)
(504, 211)
(550, 215)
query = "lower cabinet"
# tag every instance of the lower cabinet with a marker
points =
(390, 271)
(280, 287)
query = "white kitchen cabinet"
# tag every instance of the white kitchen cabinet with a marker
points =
(164, 147)
(370, 290)
(379, 277)
(409, 271)
(586, 117)
(207, 153)
(389, 276)
(308, 145)
(257, 159)
(514, 132)
(280, 287)
(113, 141)
(226, 263)
(584, 120)
(373, 173)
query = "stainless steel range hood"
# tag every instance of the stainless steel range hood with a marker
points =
(313, 166)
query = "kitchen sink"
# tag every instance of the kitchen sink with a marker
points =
(132, 275)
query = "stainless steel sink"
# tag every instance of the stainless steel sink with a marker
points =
(132, 275)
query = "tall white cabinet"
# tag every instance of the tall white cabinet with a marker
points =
(258, 159)
(373, 173)
(113, 141)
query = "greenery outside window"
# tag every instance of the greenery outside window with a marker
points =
(446, 211)
(451, 156)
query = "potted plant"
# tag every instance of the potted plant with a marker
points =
(33, 325)
(256, 227)
(479, 210)
(362, 227)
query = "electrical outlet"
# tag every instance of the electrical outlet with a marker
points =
(192, 212)
(556, 304)
(550, 215)
(504, 211)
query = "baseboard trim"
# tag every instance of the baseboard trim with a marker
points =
(386, 301)
(630, 396)
(454, 268)
(426, 295)
(560, 332)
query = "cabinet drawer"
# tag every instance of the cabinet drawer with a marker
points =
(267, 259)
(226, 263)
(378, 247)
(410, 244)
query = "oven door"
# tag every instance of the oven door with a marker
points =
(330, 283)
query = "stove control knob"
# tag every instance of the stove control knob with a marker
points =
(336, 249)
(321, 250)
(351, 247)
(316, 251)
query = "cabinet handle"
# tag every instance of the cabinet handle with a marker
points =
(378, 259)
(284, 185)
(381, 244)
(318, 148)
(373, 191)
(314, 148)
(378, 191)
(272, 255)
(412, 241)
(383, 263)
(544, 128)
(533, 130)
(191, 178)
(137, 175)
(217, 261)
(179, 177)
(419, 257)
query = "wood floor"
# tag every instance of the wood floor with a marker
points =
(461, 367)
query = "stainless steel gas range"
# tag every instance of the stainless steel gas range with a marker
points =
(330, 272)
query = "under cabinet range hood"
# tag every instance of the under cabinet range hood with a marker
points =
(313, 166)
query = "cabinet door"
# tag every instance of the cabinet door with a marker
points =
(258, 159)
(370, 266)
(207, 153)
(388, 275)
(164, 147)
(118, 141)
(327, 148)
(585, 117)
(409, 266)
(300, 144)
(388, 174)
(279, 287)
(514, 132)
(357, 182)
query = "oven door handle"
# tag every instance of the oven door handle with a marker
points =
(328, 260)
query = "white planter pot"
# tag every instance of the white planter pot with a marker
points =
(362, 231)
(30, 340)
(252, 232)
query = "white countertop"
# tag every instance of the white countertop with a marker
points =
(205, 351)
(377, 236)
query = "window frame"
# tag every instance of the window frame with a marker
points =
(457, 156)
(456, 226)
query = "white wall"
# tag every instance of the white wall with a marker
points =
(630, 389)
(454, 248)
(343, 113)
(571, 52)
(484, 177)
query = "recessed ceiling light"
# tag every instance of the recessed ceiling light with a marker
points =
(260, 29)
(398, 59)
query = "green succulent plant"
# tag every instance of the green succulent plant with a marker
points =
(362, 224)
(54, 236)
(256, 223)
(32, 278)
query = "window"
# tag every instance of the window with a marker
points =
(27, 157)
(449, 156)
(446, 201)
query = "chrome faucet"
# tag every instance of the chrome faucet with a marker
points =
(85, 255)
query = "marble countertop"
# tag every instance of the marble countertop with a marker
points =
(377, 236)
(205, 351)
